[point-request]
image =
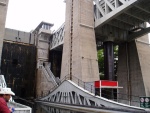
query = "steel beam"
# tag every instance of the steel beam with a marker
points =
(138, 34)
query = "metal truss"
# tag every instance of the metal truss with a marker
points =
(57, 38)
(116, 20)
(71, 94)
(106, 9)
(50, 109)
(2, 82)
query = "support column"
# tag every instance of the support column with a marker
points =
(133, 70)
(108, 67)
(108, 60)
(42, 35)
(3, 12)
(79, 50)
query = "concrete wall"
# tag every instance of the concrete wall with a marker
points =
(133, 70)
(42, 84)
(79, 49)
(42, 57)
(144, 59)
(3, 12)
(19, 36)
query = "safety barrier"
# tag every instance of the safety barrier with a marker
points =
(106, 93)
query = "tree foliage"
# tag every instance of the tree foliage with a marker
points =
(101, 63)
(100, 54)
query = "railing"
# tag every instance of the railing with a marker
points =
(50, 77)
(48, 31)
(19, 108)
(26, 102)
(50, 74)
(106, 93)
(2, 81)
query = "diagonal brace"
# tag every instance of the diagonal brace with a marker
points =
(138, 34)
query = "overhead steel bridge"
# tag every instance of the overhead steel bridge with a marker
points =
(115, 20)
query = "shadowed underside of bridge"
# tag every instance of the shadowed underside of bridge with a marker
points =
(121, 20)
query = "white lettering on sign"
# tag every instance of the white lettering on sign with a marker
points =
(142, 99)
(146, 100)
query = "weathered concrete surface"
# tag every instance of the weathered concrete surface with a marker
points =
(144, 59)
(42, 36)
(133, 70)
(19, 36)
(3, 12)
(79, 50)
(43, 85)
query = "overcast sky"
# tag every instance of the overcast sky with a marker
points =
(25, 15)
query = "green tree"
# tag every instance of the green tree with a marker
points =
(101, 63)
(100, 54)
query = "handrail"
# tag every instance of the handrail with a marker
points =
(24, 101)
(2, 81)
(50, 73)
(49, 76)
(90, 88)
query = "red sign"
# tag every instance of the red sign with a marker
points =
(97, 84)
(109, 83)
(100, 83)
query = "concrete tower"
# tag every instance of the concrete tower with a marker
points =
(133, 70)
(42, 35)
(3, 12)
(79, 50)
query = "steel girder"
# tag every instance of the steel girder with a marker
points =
(70, 93)
(115, 20)
(57, 38)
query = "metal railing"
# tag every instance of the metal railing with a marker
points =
(2, 82)
(19, 108)
(90, 87)
(49, 75)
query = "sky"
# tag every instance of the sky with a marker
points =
(25, 15)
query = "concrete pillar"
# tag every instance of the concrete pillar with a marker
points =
(133, 70)
(79, 49)
(3, 12)
(42, 35)
(108, 66)
(108, 60)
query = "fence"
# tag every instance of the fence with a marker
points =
(106, 93)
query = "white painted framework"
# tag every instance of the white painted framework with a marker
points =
(70, 93)
(115, 20)
(106, 9)
(2, 82)
(58, 38)
(121, 20)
